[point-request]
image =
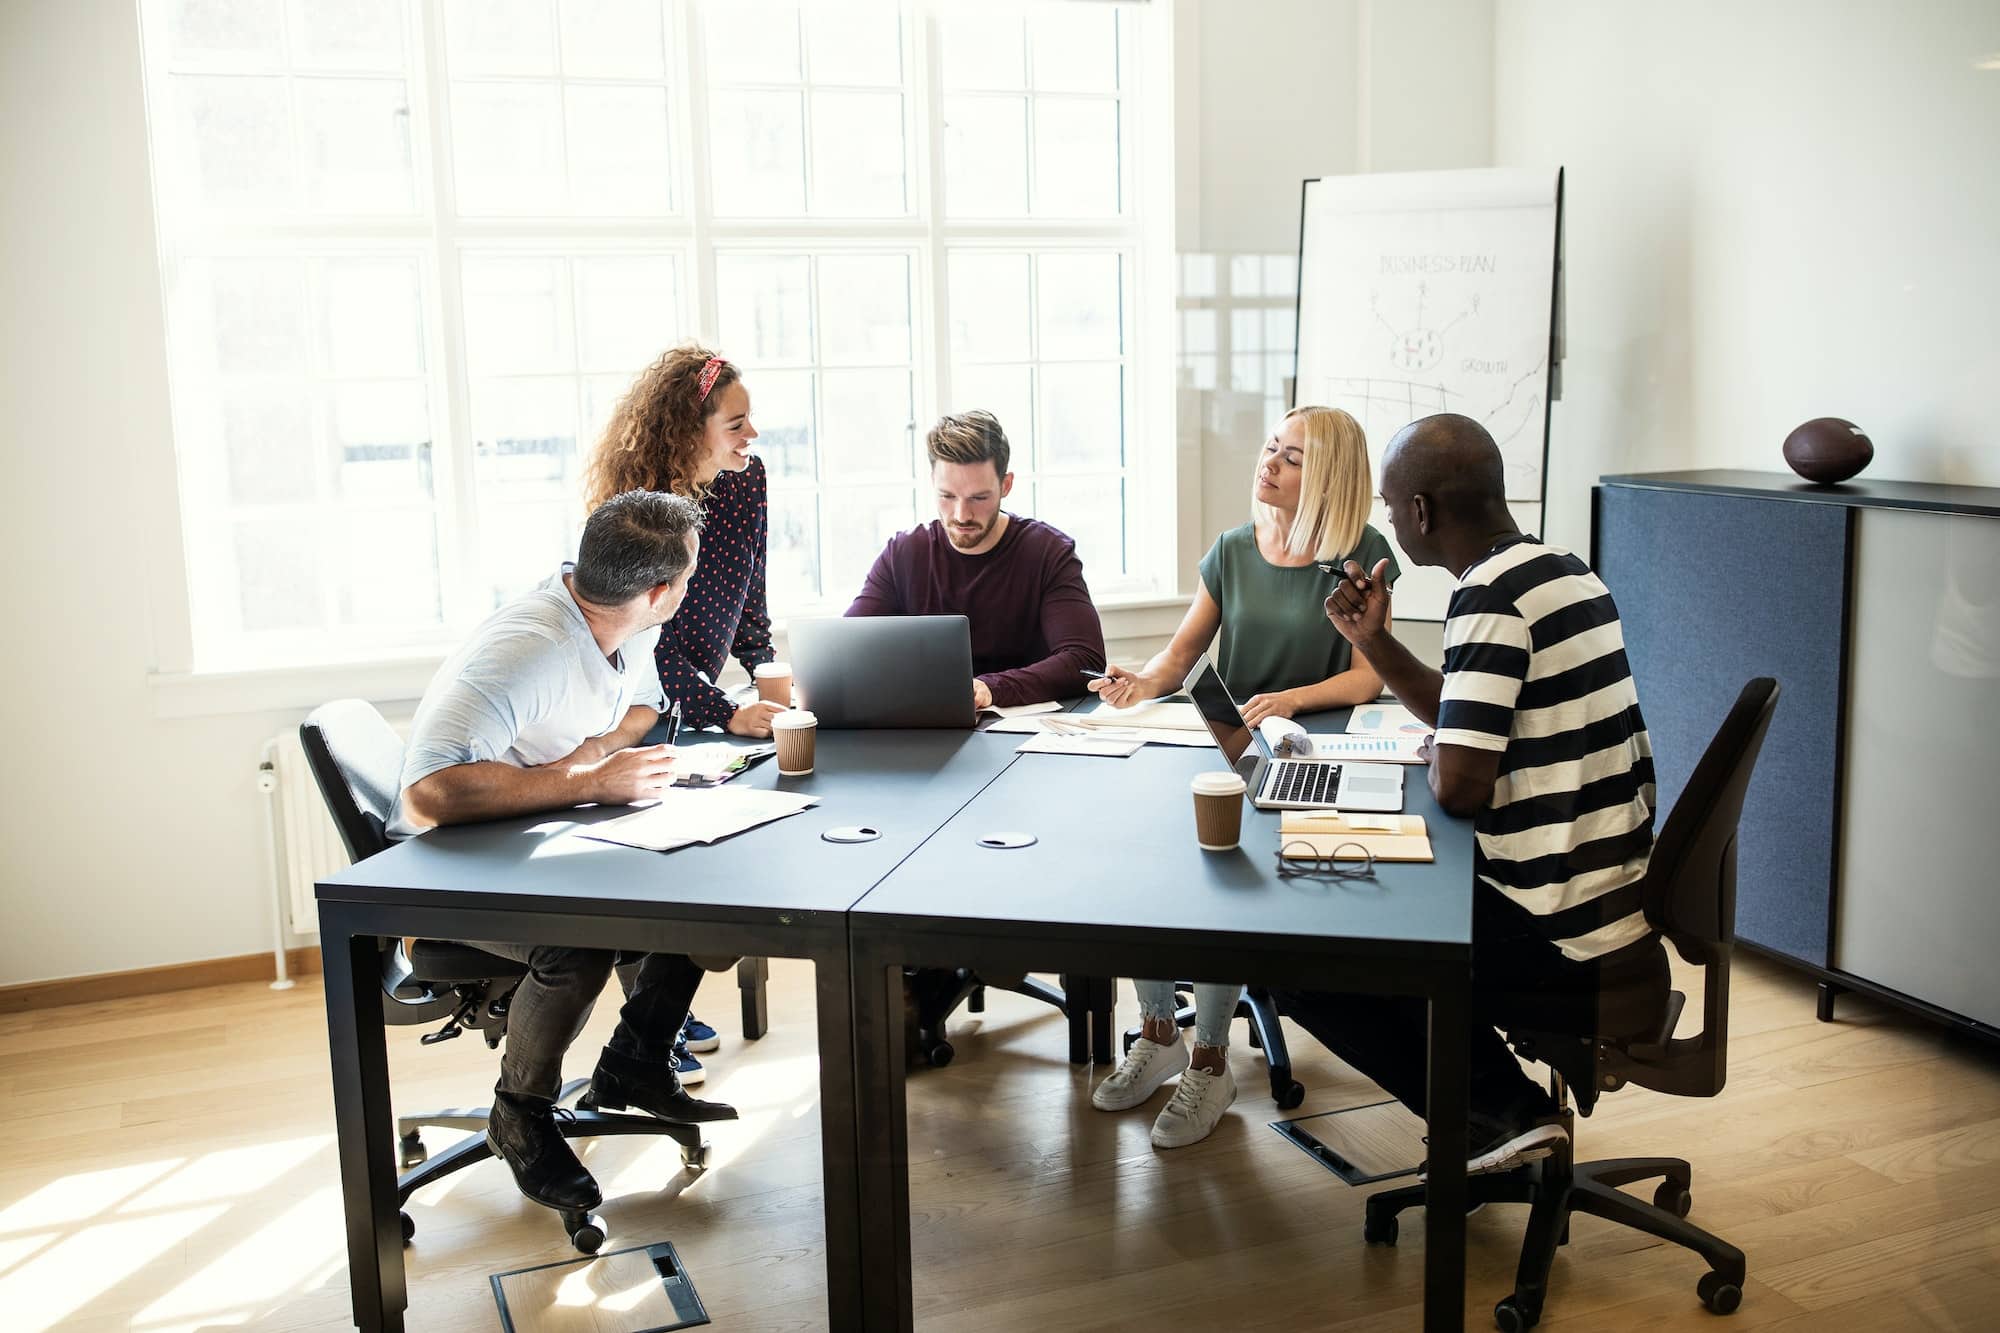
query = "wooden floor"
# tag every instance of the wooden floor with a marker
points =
(167, 1163)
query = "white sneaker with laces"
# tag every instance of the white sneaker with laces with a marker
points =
(1139, 1075)
(1197, 1105)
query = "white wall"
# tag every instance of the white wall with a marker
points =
(1775, 211)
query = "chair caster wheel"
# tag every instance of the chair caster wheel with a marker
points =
(1293, 1094)
(586, 1231)
(411, 1146)
(695, 1158)
(409, 1227)
(1510, 1316)
(1718, 1293)
(938, 1056)
(1379, 1231)
(1672, 1198)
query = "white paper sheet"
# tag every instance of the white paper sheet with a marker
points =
(698, 815)
(1384, 719)
(1049, 742)
(1022, 710)
(1156, 713)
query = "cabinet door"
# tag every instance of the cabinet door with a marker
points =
(1713, 590)
(1919, 901)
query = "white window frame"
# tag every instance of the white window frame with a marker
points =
(1159, 484)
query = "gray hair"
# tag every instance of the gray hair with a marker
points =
(632, 543)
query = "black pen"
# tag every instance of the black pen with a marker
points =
(674, 722)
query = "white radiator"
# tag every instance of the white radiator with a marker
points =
(307, 845)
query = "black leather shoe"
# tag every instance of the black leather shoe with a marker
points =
(523, 1133)
(621, 1081)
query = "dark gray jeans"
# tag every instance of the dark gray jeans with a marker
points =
(554, 999)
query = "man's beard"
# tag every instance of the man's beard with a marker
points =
(966, 540)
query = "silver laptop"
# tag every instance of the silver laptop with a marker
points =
(884, 671)
(1287, 784)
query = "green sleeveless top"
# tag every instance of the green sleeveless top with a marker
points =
(1275, 634)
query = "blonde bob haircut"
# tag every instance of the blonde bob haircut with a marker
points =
(1336, 491)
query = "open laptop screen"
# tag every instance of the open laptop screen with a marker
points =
(1220, 713)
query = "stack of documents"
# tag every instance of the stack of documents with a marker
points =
(686, 816)
(712, 762)
(1343, 834)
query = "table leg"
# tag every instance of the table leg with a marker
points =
(842, 1188)
(363, 1123)
(753, 976)
(1444, 1202)
(881, 1135)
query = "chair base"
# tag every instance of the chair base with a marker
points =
(1557, 1187)
(937, 994)
(586, 1231)
(1261, 1012)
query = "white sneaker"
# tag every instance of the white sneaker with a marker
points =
(1198, 1104)
(1530, 1145)
(1139, 1075)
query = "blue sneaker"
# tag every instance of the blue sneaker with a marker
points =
(687, 1067)
(698, 1036)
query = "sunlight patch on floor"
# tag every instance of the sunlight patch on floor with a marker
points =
(87, 1263)
(274, 1259)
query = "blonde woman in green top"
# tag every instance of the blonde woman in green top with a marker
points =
(1262, 589)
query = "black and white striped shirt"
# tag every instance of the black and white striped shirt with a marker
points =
(1534, 667)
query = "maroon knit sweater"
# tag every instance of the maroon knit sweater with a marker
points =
(1034, 629)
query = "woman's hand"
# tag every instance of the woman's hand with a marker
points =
(1121, 688)
(1279, 703)
(753, 719)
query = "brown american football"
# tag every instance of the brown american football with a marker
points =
(1828, 450)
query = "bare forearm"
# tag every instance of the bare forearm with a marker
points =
(1415, 685)
(466, 793)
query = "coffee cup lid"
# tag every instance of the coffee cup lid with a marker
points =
(1218, 784)
(773, 669)
(794, 717)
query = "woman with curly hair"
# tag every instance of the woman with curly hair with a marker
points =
(684, 426)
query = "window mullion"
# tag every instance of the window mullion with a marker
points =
(453, 467)
(928, 82)
(690, 34)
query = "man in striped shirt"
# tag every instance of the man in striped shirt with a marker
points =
(1539, 738)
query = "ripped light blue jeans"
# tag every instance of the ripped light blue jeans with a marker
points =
(1214, 1007)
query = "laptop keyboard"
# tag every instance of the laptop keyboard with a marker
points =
(1309, 782)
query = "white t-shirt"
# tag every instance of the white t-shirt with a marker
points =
(528, 687)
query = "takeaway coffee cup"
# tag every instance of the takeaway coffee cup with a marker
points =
(1218, 810)
(794, 729)
(774, 683)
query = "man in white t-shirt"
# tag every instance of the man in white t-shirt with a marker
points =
(540, 710)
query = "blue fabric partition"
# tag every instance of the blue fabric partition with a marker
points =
(1713, 590)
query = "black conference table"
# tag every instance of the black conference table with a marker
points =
(778, 891)
(1115, 885)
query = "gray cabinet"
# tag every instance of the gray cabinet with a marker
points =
(1866, 852)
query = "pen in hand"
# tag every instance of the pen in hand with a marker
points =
(674, 723)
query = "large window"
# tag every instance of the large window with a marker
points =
(414, 251)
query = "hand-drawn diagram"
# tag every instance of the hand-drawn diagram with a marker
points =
(1430, 305)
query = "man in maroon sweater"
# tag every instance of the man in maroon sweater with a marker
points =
(1017, 580)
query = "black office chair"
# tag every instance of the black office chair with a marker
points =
(1256, 1007)
(936, 994)
(357, 760)
(1690, 898)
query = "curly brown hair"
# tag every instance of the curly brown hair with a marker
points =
(653, 441)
